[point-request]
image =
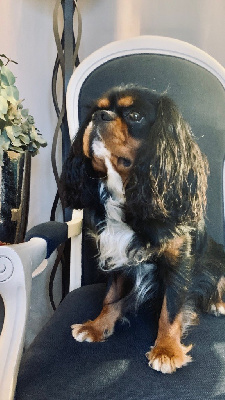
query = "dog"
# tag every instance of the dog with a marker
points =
(136, 165)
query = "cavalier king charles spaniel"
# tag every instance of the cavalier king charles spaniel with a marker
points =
(137, 167)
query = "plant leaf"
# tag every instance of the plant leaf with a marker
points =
(16, 142)
(24, 138)
(4, 141)
(11, 93)
(8, 96)
(9, 132)
(33, 133)
(17, 130)
(41, 141)
(25, 112)
(3, 105)
(7, 76)
(1, 156)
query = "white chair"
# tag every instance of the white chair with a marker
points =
(57, 367)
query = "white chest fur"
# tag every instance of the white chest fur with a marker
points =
(114, 240)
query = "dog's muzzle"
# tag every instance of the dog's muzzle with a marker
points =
(100, 127)
(103, 116)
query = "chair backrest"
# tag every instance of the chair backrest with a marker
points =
(193, 79)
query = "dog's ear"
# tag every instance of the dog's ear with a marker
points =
(170, 171)
(78, 184)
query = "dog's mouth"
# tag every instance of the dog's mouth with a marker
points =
(101, 157)
(99, 165)
(98, 172)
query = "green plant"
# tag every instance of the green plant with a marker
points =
(17, 126)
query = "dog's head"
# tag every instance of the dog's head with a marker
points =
(149, 145)
(120, 120)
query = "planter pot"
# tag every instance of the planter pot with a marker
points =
(14, 196)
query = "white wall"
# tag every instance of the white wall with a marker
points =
(200, 22)
(26, 36)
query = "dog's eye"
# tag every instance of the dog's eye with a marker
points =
(135, 116)
(124, 161)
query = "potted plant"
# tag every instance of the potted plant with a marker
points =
(19, 140)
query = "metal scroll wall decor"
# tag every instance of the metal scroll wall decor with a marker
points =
(66, 60)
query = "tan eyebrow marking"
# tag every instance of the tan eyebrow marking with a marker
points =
(125, 101)
(103, 103)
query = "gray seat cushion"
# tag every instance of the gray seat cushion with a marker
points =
(56, 367)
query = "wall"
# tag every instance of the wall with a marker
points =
(200, 22)
(26, 35)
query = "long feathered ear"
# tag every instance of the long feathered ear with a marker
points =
(169, 179)
(79, 185)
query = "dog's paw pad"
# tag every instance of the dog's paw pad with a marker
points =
(167, 360)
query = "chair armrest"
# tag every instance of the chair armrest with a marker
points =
(17, 263)
(56, 233)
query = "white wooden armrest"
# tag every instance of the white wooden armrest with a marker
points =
(75, 255)
(75, 225)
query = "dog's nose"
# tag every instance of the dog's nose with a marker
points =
(103, 115)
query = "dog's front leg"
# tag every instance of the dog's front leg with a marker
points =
(102, 327)
(168, 353)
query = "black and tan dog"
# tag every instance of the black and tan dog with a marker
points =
(136, 166)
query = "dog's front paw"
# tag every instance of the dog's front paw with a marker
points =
(89, 332)
(167, 359)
